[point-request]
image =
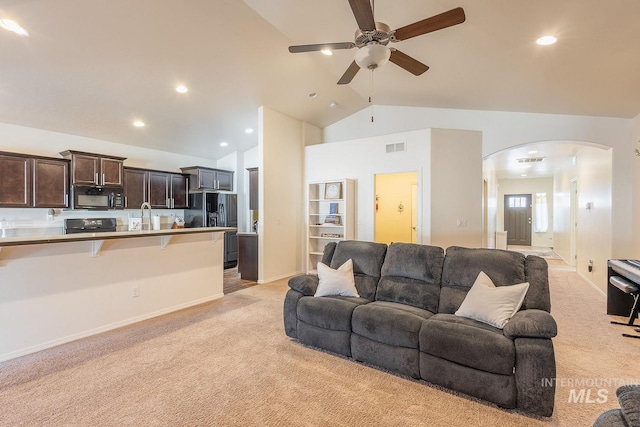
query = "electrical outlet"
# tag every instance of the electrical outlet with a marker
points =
(461, 223)
(135, 292)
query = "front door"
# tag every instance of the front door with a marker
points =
(517, 219)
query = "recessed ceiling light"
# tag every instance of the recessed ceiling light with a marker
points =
(181, 89)
(546, 40)
(224, 144)
(524, 174)
(333, 105)
(313, 95)
(138, 123)
(327, 52)
(248, 130)
(532, 151)
(13, 26)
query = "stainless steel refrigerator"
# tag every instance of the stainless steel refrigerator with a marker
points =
(214, 209)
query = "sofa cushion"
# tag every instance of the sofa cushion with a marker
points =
(485, 302)
(327, 254)
(367, 260)
(336, 282)
(469, 343)
(462, 266)
(389, 323)
(411, 275)
(332, 313)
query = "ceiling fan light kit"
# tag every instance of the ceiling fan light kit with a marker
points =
(372, 56)
(371, 39)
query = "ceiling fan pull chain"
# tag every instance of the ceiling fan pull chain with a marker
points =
(371, 93)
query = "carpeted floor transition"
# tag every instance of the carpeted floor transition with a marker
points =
(228, 363)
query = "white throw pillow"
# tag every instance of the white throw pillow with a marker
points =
(336, 282)
(492, 304)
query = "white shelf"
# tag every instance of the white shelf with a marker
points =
(318, 208)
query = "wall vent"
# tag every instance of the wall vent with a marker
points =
(393, 148)
(530, 160)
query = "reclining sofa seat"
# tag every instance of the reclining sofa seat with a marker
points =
(507, 366)
(386, 331)
(326, 322)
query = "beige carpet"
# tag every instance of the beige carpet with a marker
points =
(546, 253)
(228, 363)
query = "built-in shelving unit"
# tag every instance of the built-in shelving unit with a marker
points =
(330, 216)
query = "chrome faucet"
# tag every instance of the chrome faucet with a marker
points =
(148, 206)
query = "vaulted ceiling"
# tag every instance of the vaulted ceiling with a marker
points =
(91, 68)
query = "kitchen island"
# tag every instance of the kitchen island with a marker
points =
(59, 288)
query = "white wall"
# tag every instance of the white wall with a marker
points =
(456, 188)
(501, 130)
(636, 185)
(20, 139)
(593, 173)
(449, 183)
(281, 150)
(491, 203)
(361, 159)
(528, 186)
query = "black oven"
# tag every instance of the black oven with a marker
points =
(98, 198)
(90, 225)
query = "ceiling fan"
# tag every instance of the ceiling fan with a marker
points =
(372, 39)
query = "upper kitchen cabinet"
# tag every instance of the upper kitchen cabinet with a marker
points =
(168, 190)
(95, 169)
(135, 187)
(29, 181)
(50, 183)
(15, 181)
(202, 178)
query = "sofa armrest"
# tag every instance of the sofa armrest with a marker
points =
(629, 398)
(306, 284)
(531, 324)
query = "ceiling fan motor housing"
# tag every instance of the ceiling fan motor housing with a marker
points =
(382, 35)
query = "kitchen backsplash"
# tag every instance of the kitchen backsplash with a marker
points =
(16, 222)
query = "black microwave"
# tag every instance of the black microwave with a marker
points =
(98, 198)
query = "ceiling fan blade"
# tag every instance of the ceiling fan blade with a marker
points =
(438, 22)
(319, 47)
(349, 74)
(403, 60)
(363, 14)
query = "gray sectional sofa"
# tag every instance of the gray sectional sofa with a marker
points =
(404, 320)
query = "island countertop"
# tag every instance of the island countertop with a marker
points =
(81, 237)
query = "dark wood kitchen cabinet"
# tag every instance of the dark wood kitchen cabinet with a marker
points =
(15, 181)
(202, 178)
(95, 169)
(168, 190)
(50, 183)
(248, 256)
(179, 191)
(135, 187)
(29, 181)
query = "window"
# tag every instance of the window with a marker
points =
(541, 223)
(517, 202)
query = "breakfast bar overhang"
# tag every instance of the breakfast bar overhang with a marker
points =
(56, 289)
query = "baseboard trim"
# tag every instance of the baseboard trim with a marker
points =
(105, 328)
(283, 276)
